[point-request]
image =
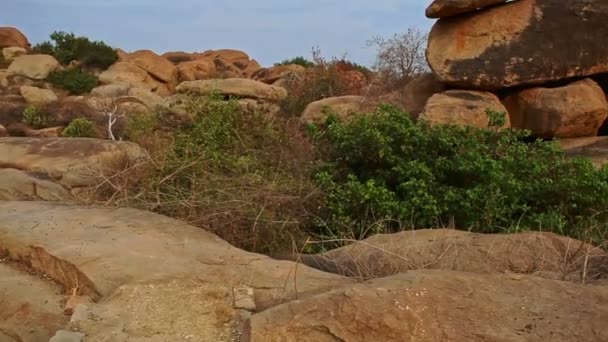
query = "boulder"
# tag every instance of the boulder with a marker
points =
(111, 90)
(10, 53)
(38, 96)
(449, 8)
(146, 97)
(593, 148)
(520, 43)
(576, 110)
(343, 107)
(241, 87)
(462, 107)
(544, 255)
(36, 67)
(413, 97)
(157, 66)
(3, 132)
(273, 74)
(128, 73)
(229, 55)
(198, 69)
(12, 37)
(73, 163)
(177, 57)
(449, 306)
(150, 277)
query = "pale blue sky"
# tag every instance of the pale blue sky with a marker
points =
(269, 30)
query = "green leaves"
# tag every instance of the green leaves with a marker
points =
(486, 180)
(66, 47)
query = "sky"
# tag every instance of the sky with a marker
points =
(268, 30)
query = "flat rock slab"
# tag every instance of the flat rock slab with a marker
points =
(592, 148)
(429, 306)
(30, 307)
(96, 250)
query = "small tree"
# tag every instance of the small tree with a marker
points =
(400, 57)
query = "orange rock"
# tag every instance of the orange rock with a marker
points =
(10, 37)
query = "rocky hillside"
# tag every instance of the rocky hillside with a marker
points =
(140, 193)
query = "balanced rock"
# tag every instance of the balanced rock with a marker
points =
(36, 67)
(520, 43)
(240, 87)
(463, 108)
(10, 36)
(576, 110)
(448, 8)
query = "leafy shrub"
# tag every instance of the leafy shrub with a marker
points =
(35, 118)
(239, 173)
(66, 47)
(324, 79)
(384, 172)
(80, 128)
(74, 80)
(298, 61)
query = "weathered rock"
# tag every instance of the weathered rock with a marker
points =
(462, 107)
(198, 69)
(25, 185)
(449, 8)
(146, 97)
(576, 110)
(10, 53)
(229, 55)
(49, 132)
(545, 255)
(3, 132)
(521, 42)
(31, 307)
(413, 97)
(10, 37)
(111, 90)
(441, 306)
(35, 67)
(177, 57)
(159, 67)
(128, 73)
(273, 74)
(67, 336)
(143, 269)
(73, 163)
(344, 107)
(38, 96)
(592, 148)
(235, 86)
(3, 79)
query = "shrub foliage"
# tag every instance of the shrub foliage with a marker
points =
(34, 117)
(384, 172)
(74, 80)
(80, 128)
(66, 47)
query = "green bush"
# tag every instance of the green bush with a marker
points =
(384, 172)
(298, 61)
(66, 47)
(74, 80)
(34, 117)
(79, 128)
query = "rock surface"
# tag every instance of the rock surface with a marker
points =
(462, 107)
(31, 307)
(592, 148)
(10, 53)
(544, 255)
(446, 306)
(343, 107)
(11, 37)
(198, 69)
(157, 66)
(520, 43)
(128, 73)
(273, 74)
(449, 8)
(413, 97)
(72, 163)
(235, 86)
(576, 110)
(38, 96)
(36, 67)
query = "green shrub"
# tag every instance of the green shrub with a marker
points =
(298, 61)
(240, 173)
(66, 47)
(384, 172)
(79, 128)
(74, 80)
(34, 117)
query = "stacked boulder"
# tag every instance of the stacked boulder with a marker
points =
(541, 57)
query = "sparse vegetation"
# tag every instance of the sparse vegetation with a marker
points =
(34, 117)
(67, 47)
(74, 80)
(297, 61)
(79, 128)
